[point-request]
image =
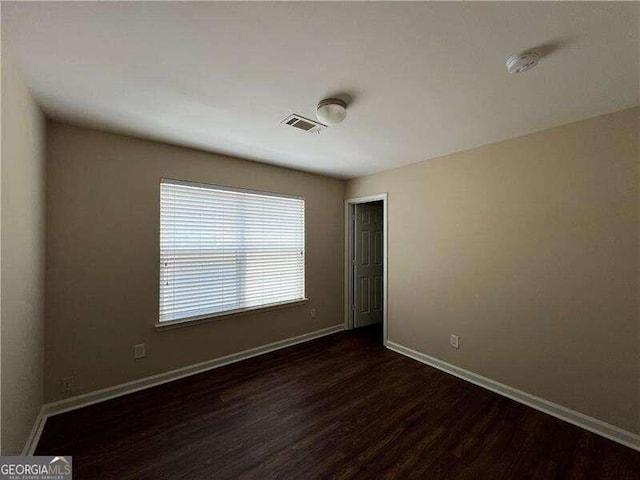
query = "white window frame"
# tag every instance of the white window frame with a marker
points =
(168, 324)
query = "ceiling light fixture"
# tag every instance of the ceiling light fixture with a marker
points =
(331, 111)
(522, 62)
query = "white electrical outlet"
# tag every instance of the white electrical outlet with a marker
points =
(66, 384)
(454, 341)
(312, 313)
(139, 351)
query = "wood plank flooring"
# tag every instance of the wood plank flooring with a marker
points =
(340, 407)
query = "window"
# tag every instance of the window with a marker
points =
(227, 250)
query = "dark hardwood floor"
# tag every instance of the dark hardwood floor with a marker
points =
(338, 407)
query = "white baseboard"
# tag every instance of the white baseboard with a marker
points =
(79, 401)
(591, 424)
(36, 431)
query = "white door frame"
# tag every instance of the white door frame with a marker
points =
(348, 249)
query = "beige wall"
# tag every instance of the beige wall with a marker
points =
(527, 249)
(22, 258)
(102, 262)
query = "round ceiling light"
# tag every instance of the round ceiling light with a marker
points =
(522, 62)
(331, 111)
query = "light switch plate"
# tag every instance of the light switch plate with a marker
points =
(139, 351)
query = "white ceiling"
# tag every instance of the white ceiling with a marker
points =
(422, 79)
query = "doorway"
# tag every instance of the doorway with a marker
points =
(366, 262)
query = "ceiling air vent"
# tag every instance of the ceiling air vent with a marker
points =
(304, 124)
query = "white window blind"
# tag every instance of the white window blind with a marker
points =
(223, 250)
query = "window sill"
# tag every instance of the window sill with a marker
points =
(187, 322)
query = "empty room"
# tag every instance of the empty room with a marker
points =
(320, 240)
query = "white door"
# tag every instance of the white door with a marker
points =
(368, 286)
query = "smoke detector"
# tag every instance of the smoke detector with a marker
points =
(301, 123)
(331, 111)
(522, 62)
